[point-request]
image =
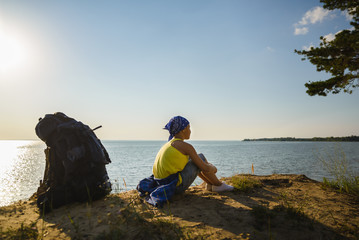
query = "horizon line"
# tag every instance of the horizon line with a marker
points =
(197, 139)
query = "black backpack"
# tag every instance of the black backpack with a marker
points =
(75, 163)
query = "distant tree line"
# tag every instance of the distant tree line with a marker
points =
(314, 139)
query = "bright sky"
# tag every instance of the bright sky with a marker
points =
(229, 67)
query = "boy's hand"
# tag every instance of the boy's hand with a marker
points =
(213, 167)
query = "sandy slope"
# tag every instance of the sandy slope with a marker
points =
(284, 207)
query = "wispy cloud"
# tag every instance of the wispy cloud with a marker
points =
(317, 14)
(312, 16)
(301, 31)
(347, 15)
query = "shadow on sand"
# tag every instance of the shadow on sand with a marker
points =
(248, 215)
(197, 214)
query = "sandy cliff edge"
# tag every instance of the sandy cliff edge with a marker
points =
(283, 207)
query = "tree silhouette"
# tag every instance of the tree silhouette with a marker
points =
(339, 57)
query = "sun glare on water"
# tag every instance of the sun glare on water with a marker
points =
(21, 167)
(9, 152)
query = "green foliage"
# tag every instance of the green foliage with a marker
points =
(243, 183)
(339, 57)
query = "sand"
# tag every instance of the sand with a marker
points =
(283, 207)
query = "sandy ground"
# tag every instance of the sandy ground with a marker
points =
(283, 207)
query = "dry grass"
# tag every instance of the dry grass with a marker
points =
(25, 232)
(341, 176)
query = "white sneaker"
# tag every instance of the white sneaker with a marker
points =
(209, 187)
(222, 188)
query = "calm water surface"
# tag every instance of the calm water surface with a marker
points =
(22, 163)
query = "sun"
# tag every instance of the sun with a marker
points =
(12, 53)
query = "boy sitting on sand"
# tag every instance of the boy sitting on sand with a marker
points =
(177, 165)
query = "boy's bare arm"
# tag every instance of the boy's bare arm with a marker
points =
(188, 149)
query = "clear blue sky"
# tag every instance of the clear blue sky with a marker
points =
(228, 66)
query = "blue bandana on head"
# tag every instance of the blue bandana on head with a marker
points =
(175, 125)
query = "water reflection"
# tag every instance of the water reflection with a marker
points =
(21, 167)
(22, 163)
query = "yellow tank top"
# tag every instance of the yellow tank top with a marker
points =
(168, 161)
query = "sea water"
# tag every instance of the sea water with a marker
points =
(22, 163)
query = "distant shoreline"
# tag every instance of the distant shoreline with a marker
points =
(314, 139)
(281, 139)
